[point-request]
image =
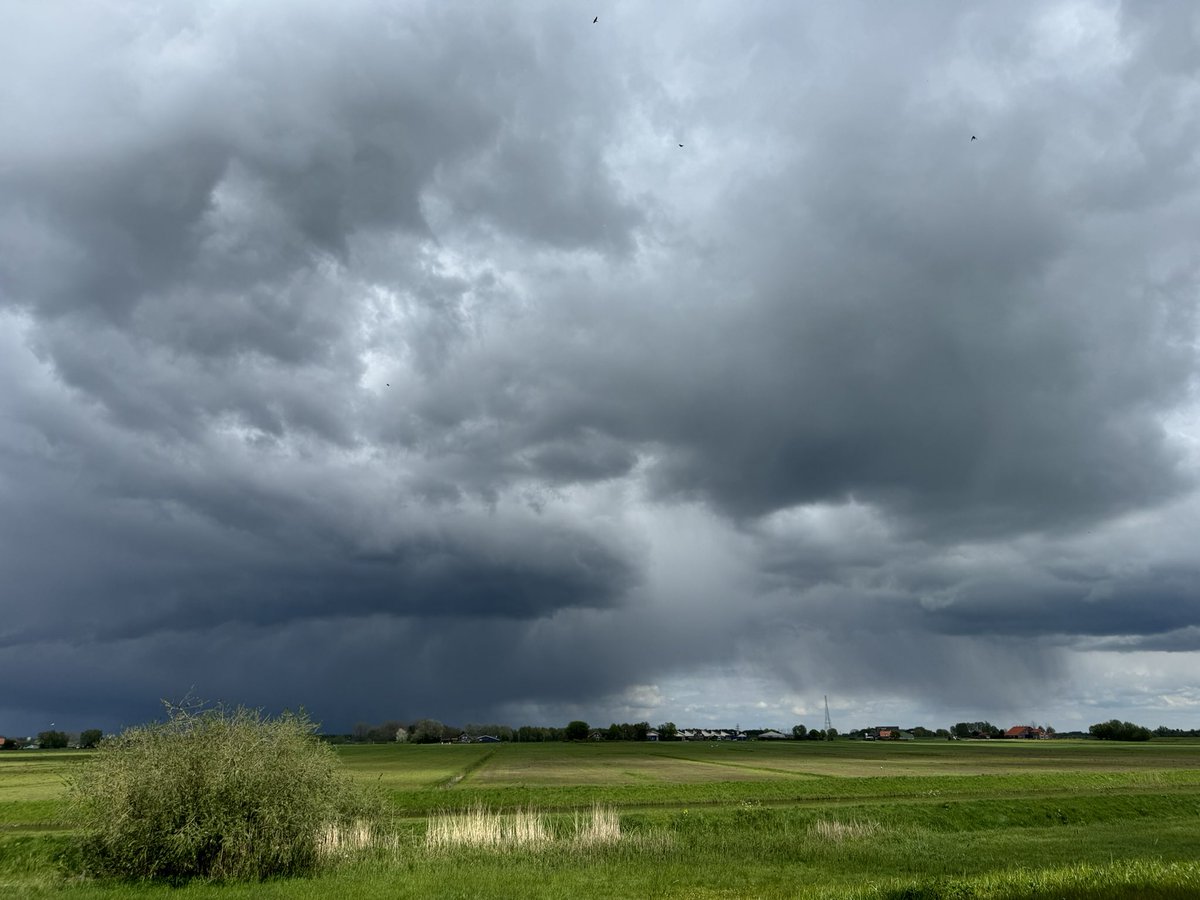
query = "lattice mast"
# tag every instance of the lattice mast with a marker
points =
(828, 723)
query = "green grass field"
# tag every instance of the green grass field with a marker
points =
(937, 819)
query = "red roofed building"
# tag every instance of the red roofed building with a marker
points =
(1027, 732)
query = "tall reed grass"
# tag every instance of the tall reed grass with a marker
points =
(483, 828)
(341, 840)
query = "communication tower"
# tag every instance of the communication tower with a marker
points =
(828, 724)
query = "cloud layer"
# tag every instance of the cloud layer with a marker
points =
(423, 359)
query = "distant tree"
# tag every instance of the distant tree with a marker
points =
(1116, 730)
(1164, 731)
(383, 733)
(539, 733)
(668, 732)
(799, 732)
(816, 734)
(53, 740)
(387, 731)
(830, 733)
(975, 729)
(943, 732)
(90, 738)
(636, 732)
(426, 731)
(577, 730)
(919, 731)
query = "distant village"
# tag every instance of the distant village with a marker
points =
(431, 731)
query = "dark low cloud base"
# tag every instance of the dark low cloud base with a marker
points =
(400, 361)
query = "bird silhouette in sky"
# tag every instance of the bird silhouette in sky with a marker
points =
(681, 145)
(972, 137)
(595, 20)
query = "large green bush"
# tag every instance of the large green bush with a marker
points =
(1116, 730)
(209, 793)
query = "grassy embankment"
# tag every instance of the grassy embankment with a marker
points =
(999, 819)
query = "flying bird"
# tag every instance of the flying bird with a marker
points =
(595, 20)
(681, 145)
(972, 137)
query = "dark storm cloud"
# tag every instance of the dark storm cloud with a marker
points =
(410, 333)
(905, 330)
(1183, 640)
(966, 334)
(252, 146)
(1141, 606)
(180, 557)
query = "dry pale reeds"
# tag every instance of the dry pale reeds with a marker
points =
(837, 832)
(600, 829)
(482, 828)
(338, 840)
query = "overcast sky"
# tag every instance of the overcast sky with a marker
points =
(482, 362)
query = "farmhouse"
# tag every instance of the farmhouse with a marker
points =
(886, 733)
(772, 735)
(1027, 732)
(710, 734)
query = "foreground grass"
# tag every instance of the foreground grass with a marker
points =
(1104, 823)
(904, 864)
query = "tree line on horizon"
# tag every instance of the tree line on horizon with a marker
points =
(432, 731)
(57, 740)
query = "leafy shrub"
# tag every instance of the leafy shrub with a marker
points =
(1116, 730)
(210, 793)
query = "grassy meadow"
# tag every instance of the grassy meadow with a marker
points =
(789, 819)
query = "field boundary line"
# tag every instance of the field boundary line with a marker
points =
(733, 765)
(467, 771)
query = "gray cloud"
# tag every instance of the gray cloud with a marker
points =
(343, 343)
